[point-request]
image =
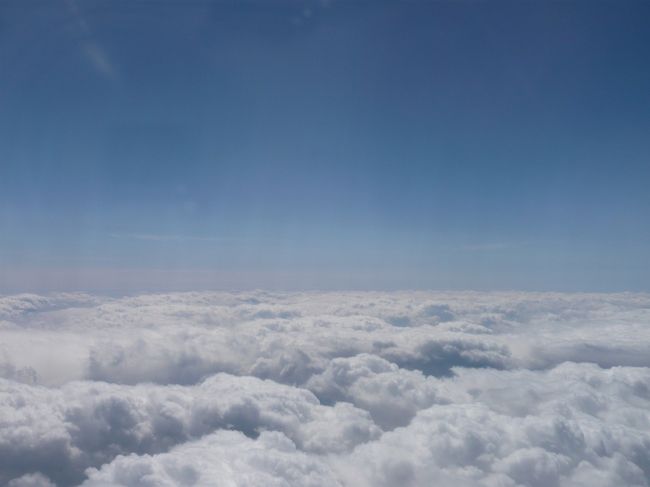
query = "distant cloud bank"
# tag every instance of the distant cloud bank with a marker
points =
(325, 389)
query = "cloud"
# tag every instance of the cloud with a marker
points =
(31, 480)
(182, 338)
(574, 425)
(391, 394)
(167, 238)
(99, 60)
(491, 246)
(90, 48)
(61, 432)
(224, 458)
(351, 389)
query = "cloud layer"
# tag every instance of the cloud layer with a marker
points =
(319, 389)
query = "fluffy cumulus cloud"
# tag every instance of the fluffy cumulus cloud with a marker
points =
(319, 389)
(224, 458)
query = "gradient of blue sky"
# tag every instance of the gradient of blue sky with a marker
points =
(342, 143)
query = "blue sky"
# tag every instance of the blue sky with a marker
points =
(171, 144)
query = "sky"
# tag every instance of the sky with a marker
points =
(341, 144)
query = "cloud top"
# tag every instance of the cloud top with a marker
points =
(323, 389)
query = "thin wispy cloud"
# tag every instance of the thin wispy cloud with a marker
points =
(91, 48)
(491, 246)
(168, 237)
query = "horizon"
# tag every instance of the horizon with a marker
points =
(324, 243)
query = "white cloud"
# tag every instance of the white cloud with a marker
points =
(167, 238)
(31, 480)
(62, 431)
(392, 395)
(221, 459)
(90, 48)
(352, 389)
(576, 424)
